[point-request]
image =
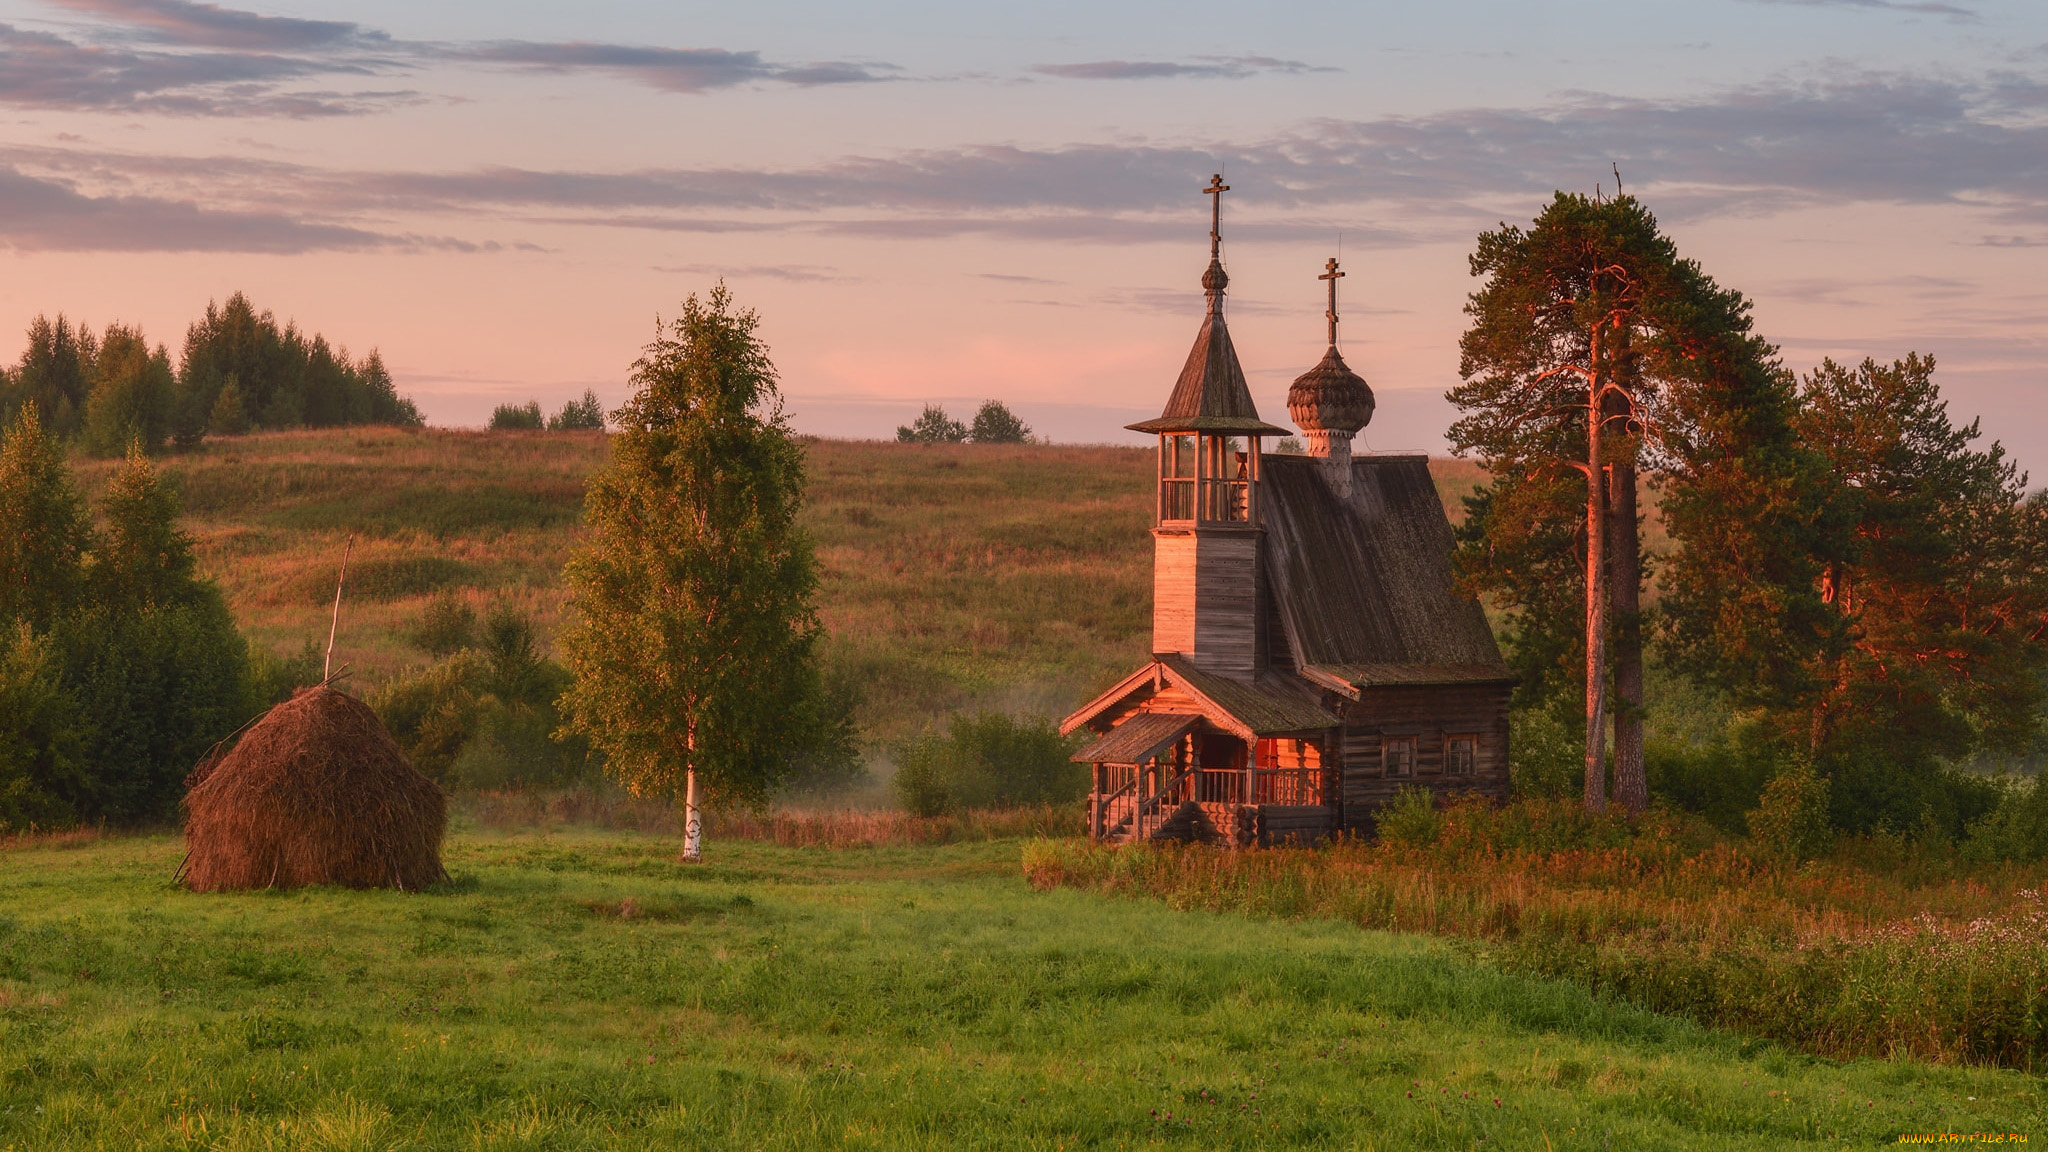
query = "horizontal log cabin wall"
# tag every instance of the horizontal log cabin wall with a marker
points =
(1429, 716)
(1205, 597)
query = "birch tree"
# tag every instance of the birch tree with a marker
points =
(692, 630)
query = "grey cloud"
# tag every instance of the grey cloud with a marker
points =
(797, 273)
(667, 69)
(45, 215)
(179, 57)
(38, 69)
(1862, 138)
(1205, 67)
(1924, 7)
(1894, 139)
(211, 26)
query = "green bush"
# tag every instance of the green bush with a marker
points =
(923, 780)
(584, 415)
(485, 717)
(1411, 819)
(273, 678)
(1546, 757)
(446, 626)
(2017, 829)
(1721, 781)
(517, 417)
(42, 753)
(434, 711)
(832, 764)
(987, 760)
(1790, 821)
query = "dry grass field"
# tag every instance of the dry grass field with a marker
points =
(954, 575)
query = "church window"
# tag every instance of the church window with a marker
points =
(1461, 755)
(1397, 756)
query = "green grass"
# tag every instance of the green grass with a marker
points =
(954, 576)
(807, 998)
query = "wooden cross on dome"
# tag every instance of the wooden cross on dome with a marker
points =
(1332, 275)
(1216, 188)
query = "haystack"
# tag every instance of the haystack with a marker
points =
(316, 793)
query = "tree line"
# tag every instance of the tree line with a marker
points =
(585, 414)
(994, 423)
(238, 371)
(1856, 588)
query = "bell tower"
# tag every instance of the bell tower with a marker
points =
(1205, 573)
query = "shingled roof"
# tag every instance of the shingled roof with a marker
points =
(1364, 584)
(1211, 395)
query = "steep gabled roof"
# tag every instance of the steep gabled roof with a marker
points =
(1364, 584)
(1271, 705)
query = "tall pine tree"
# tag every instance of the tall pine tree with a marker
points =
(1594, 352)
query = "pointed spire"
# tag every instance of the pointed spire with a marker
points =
(1211, 394)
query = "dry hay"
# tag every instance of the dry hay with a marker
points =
(316, 793)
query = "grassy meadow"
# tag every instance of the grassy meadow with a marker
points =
(579, 989)
(1012, 577)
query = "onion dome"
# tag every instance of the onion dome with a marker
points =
(1330, 397)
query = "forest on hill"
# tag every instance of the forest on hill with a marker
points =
(239, 370)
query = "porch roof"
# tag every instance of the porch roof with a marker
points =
(1138, 739)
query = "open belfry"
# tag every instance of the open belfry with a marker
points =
(1311, 655)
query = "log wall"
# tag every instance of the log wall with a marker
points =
(1429, 716)
(1205, 598)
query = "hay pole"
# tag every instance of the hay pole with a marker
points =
(327, 667)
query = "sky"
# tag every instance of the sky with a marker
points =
(951, 202)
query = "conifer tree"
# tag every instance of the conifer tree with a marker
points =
(1941, 594)
(1594, 349)
(693, 632)
(43, 527)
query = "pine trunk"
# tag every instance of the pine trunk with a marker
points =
(1596, 592)
(1625, 580)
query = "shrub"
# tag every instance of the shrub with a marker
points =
(1790, 821)
(485, 717)
(2015, 830)
(514, 747)
(996, 424)
(923, 782)
(987, 760)
(1411, 820)
(831, 764)
(273, 679)
(585, 415)
(516, 417)
(434, 711)
(1546, 757)
(1721, 781)
(932, 426)
(446, 625)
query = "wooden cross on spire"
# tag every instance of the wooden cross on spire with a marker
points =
(1216, 188)
(1331, 274)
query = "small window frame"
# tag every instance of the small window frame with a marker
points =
(1394, 767)
(1470, 766)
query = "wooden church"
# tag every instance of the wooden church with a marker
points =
(1311, 656)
